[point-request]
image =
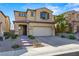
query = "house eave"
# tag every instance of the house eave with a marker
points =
(33, 22)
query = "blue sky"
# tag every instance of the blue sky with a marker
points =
(57, 8)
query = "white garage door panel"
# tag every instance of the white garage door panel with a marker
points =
(42, 31)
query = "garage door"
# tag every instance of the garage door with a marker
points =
(42, 31)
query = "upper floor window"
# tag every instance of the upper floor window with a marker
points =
(44, 15)
(22, 14)
(32, 13)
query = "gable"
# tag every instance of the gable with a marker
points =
(44, 9)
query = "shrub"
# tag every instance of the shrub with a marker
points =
(10, 34)
(62, 36)
(71, 36)
(6, 35)
(14, 36)
(31, 37)
(15, 46)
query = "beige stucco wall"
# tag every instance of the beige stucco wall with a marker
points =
(17, 17)
(16, 27)
(75, 26)
(7, 22)
(30, 27)
(73, 17)
(34, 18)
(2, 19)
(38, 15)
(29, 17)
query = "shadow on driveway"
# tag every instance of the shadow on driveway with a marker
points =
(56, 41)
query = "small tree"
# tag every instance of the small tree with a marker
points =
(61, 23)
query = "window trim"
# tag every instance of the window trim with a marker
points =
(32, 14)
(22, 14)
(46, 14)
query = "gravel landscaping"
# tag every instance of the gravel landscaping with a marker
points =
(71, 36)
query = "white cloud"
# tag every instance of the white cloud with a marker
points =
(72, 4)
(56, 10)
(76, 9)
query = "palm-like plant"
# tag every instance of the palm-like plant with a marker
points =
(61, 23)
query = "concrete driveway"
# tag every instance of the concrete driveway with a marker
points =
(53, 46)
(57, 41)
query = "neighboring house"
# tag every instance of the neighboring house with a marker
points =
(73, 19)
(4, 23)
(38, 22)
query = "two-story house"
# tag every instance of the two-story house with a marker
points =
(73, 19)
(36, 22)
(4, 23)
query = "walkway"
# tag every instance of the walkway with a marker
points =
(25, 41)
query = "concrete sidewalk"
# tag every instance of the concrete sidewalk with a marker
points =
(50, 50)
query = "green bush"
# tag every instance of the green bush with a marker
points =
(14, 36)
(15, 46)
(31, 37)
(71, 36)
(6, 35)
(62, 36)
(10, 34)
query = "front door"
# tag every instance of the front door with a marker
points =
(24, 29)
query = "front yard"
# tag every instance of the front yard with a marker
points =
(50, 45)
(10, 41)
(71, 36)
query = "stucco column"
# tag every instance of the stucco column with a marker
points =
(53, 29)
(27, 29)
(75, 28)
(16, 29)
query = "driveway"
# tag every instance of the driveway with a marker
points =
(53, 46)
(57, 41)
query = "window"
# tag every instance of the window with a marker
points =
(44, 15)
(32, 13)
(22, 14)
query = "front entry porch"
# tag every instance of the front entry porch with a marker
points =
(23, 29)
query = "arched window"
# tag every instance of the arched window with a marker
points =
(44, 15)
